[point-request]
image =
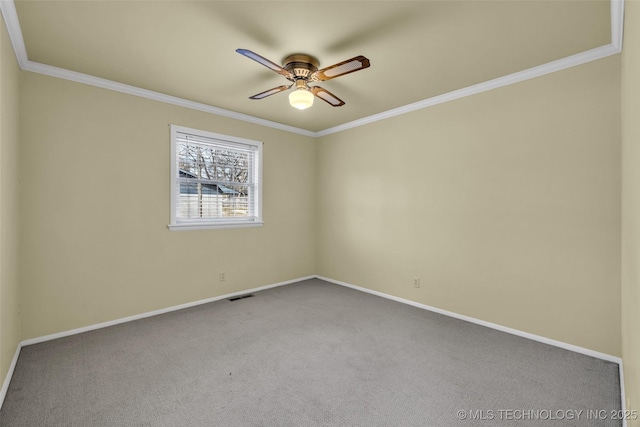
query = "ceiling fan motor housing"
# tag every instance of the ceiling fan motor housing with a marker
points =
(301, 65)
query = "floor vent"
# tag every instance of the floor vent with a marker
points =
(240, 297)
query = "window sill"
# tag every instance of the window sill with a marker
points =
(206, 226)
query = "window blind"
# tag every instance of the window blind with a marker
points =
(216, 179)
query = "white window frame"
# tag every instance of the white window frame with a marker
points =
(178, 224)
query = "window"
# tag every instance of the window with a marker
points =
(216, 180)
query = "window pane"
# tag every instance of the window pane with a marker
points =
(215, 179)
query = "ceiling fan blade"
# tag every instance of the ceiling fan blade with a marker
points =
(270, 92)
(326, 96)
(341, 68)
(264, 61)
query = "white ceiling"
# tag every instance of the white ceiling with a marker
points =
(418, 49)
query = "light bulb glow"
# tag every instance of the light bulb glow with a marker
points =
(301, 99)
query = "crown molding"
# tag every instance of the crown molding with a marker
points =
(8, 10)
(617, 23)
(541, 70)
(7, 7)
(62, 73)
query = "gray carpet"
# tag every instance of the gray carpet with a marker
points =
(307, 354)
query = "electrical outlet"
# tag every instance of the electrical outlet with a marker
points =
(416, 282)
(223, 276)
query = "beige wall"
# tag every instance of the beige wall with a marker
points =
(505, 204)
(9, 305)
(631, 205)
(95, 209)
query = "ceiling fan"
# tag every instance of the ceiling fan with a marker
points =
(302, 69)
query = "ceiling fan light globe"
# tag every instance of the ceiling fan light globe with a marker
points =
(301, 99)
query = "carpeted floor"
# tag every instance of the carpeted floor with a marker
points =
(307, 354)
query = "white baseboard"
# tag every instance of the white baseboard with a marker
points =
(511, 331)
(7, 379)
(623, 396)
(155, 312)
